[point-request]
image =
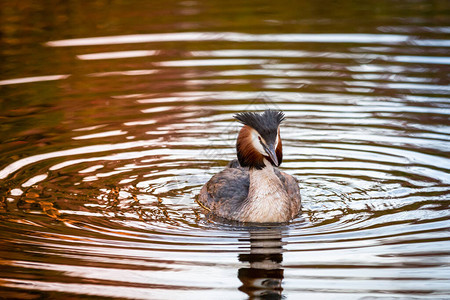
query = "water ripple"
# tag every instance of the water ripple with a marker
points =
(100, 169)
(390, 39)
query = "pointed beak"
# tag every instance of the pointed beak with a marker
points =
(270, 150)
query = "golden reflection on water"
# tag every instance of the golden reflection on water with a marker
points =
(114, 114)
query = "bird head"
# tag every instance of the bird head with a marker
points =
(259, 139)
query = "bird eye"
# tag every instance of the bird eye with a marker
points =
(261, 141)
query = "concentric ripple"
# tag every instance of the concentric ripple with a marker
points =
(105, 148)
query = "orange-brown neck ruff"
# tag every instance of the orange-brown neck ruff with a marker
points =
(279, 149)
(248, 156)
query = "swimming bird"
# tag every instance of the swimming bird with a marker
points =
(252, 188)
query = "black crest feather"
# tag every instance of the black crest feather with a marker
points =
(265, 123)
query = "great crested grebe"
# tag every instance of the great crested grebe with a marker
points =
(251, 188)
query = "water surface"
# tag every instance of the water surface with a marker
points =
(114, 114)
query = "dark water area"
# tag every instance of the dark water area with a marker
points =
(113, 114)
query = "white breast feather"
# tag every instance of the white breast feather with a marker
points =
(267, 199)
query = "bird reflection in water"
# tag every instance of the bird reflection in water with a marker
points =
(263, 278)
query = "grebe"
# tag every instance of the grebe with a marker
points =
(251, 188)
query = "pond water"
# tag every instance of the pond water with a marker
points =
(115, 113)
